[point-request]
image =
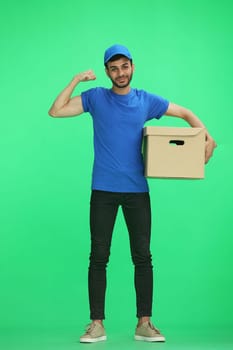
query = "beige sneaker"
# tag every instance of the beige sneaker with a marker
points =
(94, 332)
(147, 332)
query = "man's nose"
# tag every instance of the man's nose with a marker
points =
(120, 72)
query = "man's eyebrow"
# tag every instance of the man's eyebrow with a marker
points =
(112, 66)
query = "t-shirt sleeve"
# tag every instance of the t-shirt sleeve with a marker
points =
(88, 99)
(157, 106)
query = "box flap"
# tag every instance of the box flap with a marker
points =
(171, 131)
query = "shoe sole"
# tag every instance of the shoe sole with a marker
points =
(150, 339)
(93, 340)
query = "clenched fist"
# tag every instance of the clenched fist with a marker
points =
(86, 76)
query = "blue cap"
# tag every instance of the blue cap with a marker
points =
(116, 50)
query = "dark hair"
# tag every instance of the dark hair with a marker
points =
(115, 58)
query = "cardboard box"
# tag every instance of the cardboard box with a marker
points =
(174, 152)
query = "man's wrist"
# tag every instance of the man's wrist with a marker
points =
(76, 80)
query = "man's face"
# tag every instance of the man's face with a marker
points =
(120, 72)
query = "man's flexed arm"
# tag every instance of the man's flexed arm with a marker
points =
(67, 106)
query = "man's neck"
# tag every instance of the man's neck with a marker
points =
(121, 91)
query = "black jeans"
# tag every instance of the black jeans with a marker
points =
(137, 213)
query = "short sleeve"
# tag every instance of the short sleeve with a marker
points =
(88, 99)
(157, 106)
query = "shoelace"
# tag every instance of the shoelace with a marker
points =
(154, 328)
(90, 327)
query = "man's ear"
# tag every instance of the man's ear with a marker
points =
(106, 71)
(133, 67)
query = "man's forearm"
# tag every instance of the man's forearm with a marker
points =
(184, 113)
(192, 119)
(64, 105)
(64, 97)
(195, 122)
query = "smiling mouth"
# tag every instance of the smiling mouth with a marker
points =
(122, 79)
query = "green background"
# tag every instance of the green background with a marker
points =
(183, 51)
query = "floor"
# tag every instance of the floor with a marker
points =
(69, 340)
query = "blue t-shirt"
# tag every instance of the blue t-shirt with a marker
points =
(118, 122)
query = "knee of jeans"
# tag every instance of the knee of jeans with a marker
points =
(142, 260)
(99, 258)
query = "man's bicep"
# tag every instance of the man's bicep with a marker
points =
(175, 110)
(75, 105)
(73, 108)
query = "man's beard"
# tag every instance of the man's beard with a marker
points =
(122, 86)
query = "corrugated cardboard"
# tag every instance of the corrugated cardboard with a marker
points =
(174, 152)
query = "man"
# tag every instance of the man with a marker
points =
(119, 115)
